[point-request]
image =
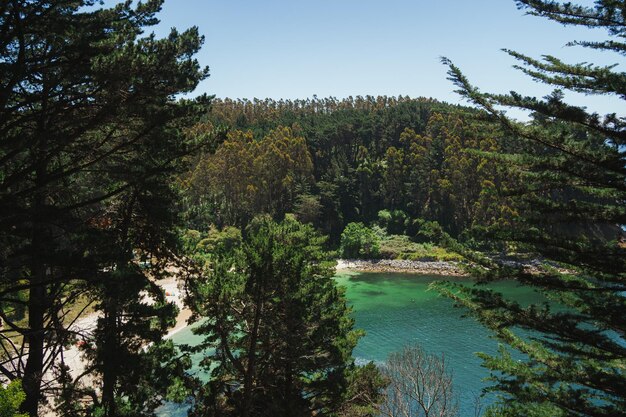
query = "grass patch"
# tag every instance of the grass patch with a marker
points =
(401, 247)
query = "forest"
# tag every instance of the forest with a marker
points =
(335, 162)
(128, 210)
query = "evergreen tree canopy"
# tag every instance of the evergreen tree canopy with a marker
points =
(90, 134)
(336, 162)
(572, 203)
(279, 327)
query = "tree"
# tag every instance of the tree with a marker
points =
(278, 336)
(571, 210)
(358, 240)
(365, 392)
(11, 398)
(246, 176)
(90, 134)
(394, 222)
(420, 385)
(307, 208)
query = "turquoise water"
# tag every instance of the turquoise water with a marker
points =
(397, 309)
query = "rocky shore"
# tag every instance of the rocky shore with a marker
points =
(403, 266)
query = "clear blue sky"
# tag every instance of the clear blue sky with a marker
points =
(295, 49)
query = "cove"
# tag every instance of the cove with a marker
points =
(397, 309)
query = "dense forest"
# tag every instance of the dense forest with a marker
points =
(333, 162)
(112, 186)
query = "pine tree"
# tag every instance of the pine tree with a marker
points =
(572, 210)
(279, 327)
(90, 134)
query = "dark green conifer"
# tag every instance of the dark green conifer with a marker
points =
(279, 326)
(90, 134)
(572, 210)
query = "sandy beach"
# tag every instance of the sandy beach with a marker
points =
(173, 293)
(85, 326)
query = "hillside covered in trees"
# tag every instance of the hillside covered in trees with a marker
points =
(113, 186)
(333, 162)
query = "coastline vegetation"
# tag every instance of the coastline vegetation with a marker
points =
(111, 183)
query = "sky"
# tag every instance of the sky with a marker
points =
(300, 48)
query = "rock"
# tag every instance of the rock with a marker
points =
(402, 265)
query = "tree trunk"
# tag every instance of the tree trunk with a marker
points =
(251, 369)
(109, 373)
(33, 371)
(37, 305)
(261, 277)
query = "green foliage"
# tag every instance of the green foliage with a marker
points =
(217, 241)
(203, 247)
(11, 397)
(190, 240)
(308, 209)
(394, 221)
(401, 247)
(278, 335)
(91, 134)
(365, 392)
(246, 176)
(384, 218)
(570, 204)
(539, 409)
(359, 241)
(367, 154)
(397, 247)
(426, 231)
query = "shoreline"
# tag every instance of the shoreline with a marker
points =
(181, 323)
(173, 293)
(447, 268)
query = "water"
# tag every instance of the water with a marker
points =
(397, 310)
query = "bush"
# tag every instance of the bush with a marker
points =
(430, 252)
(11, 398)
(202, 246)
(401, 247)
(220, 240)
(365, 392)
(397, 247)
(426, 231)
(190, 239)
(394, 221)
(359, 241)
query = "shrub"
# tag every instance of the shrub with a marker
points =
(397, 247)
(11, 398)
(430, 252)
(220, 240)
(190, 239)
(426, 231)
(394, 221)
(359, 241)
(401, 247)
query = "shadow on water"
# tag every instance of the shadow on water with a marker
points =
(373, 293)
